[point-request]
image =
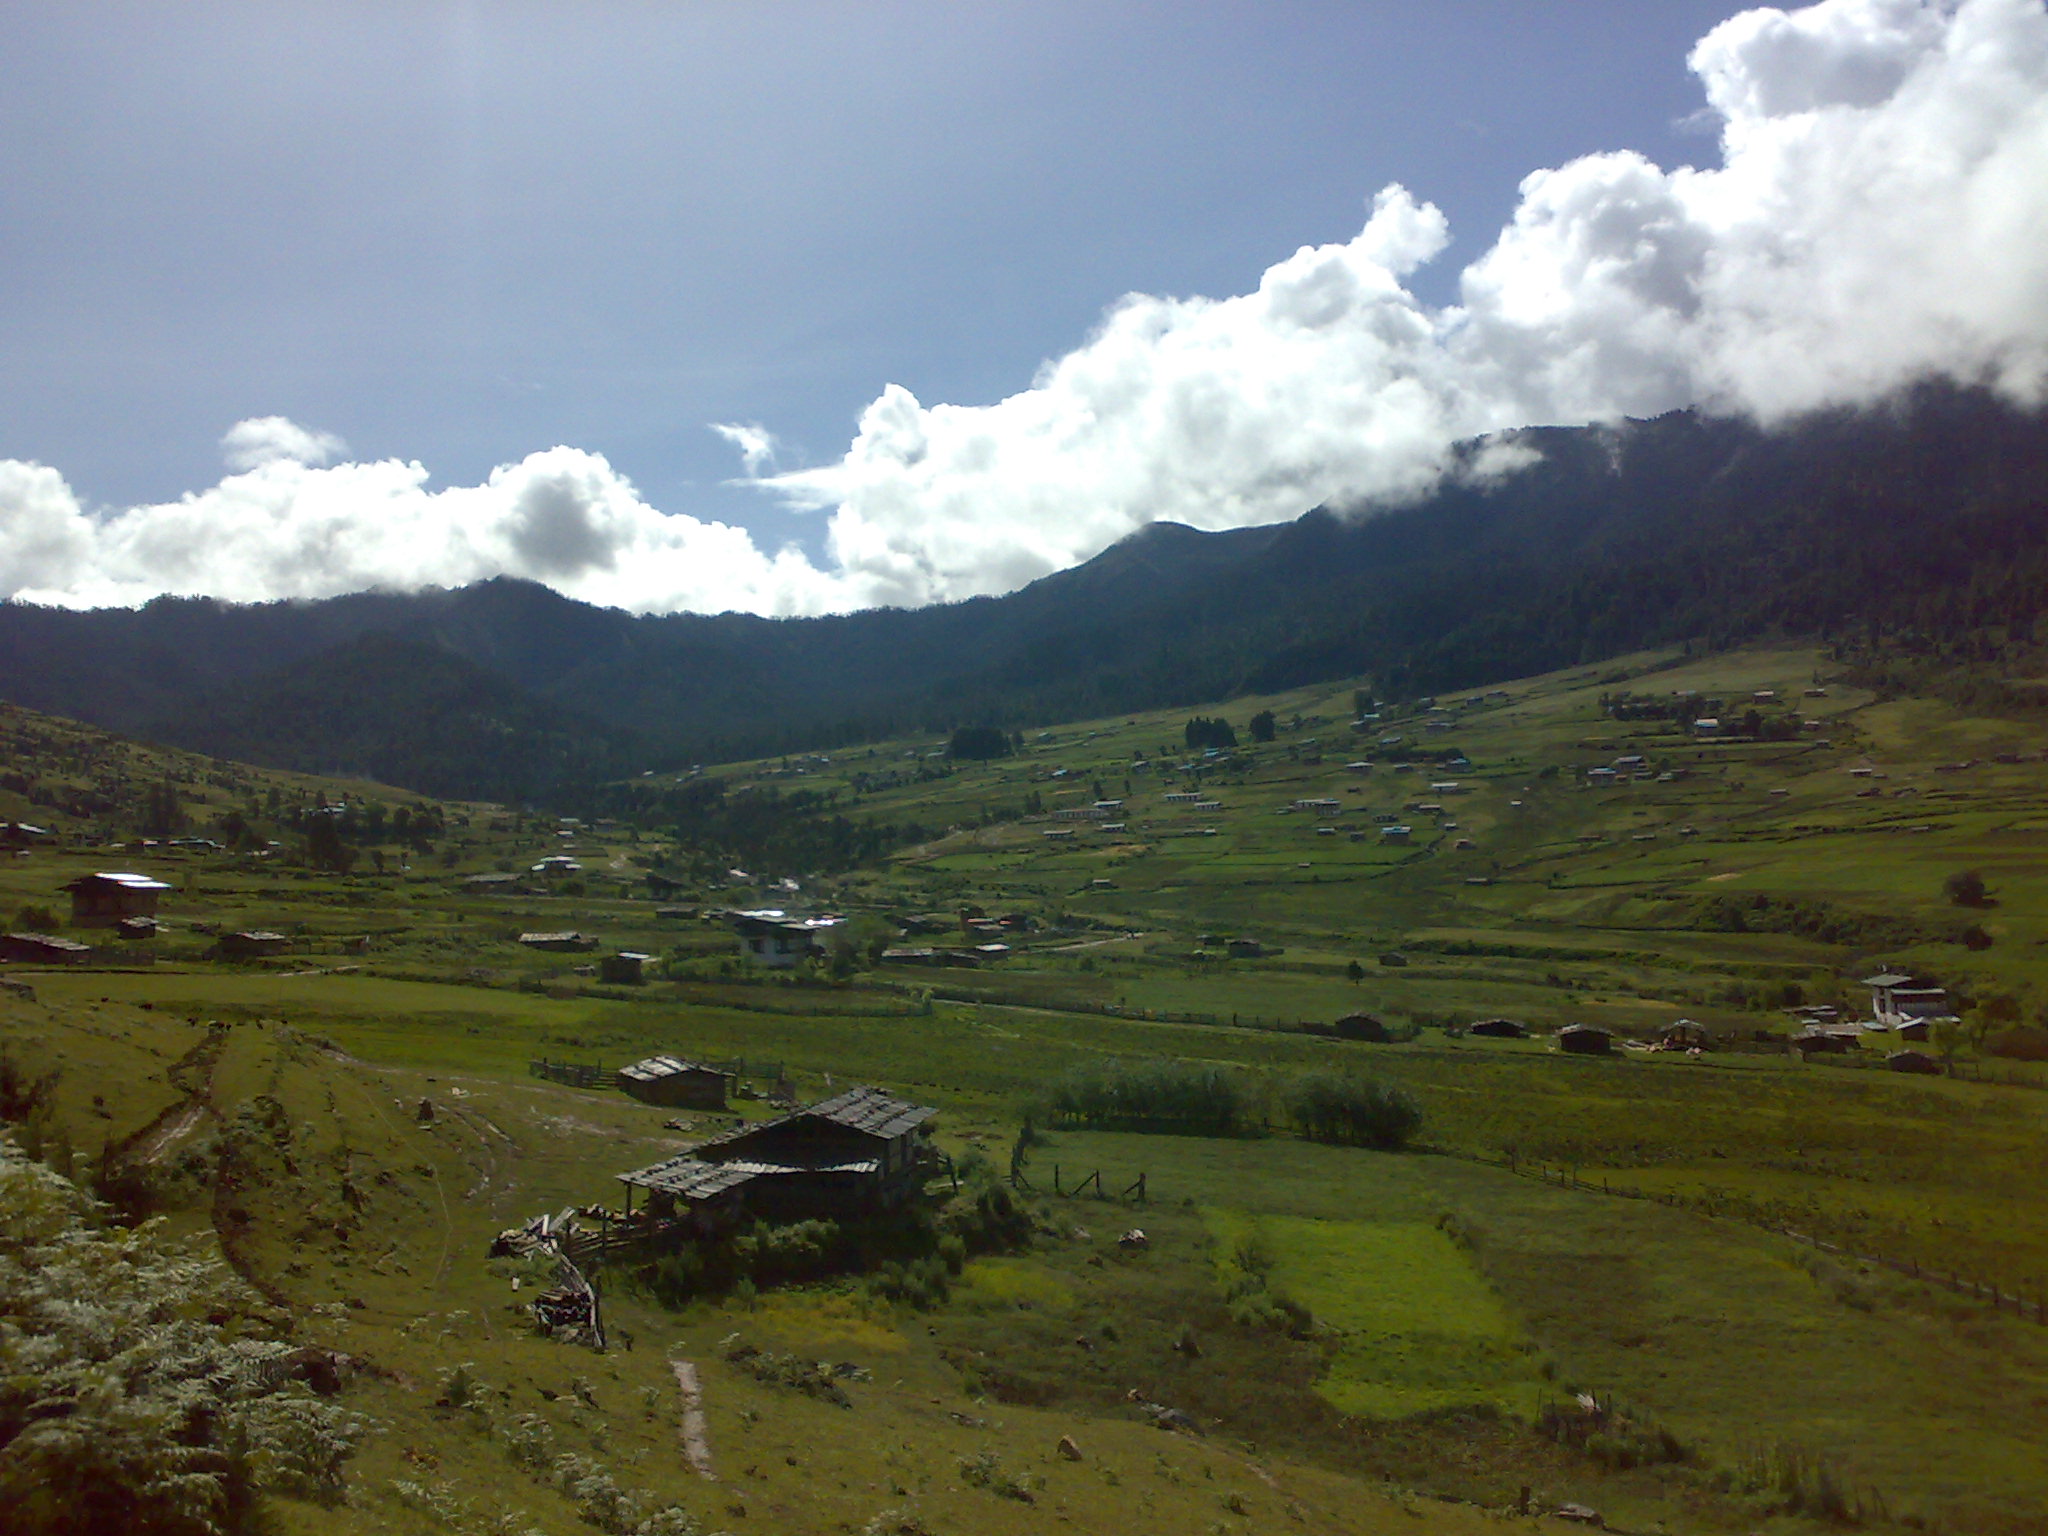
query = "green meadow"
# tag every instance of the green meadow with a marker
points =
(1701, 1246)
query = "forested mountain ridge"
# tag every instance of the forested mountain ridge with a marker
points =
(1917, 530)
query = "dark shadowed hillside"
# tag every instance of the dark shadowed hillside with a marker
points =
(1914, 533)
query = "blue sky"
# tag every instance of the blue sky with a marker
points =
(465, 234)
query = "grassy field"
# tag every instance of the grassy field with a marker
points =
(1458, 1304)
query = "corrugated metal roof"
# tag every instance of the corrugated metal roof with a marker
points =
(688, 1179)
(118, 877)
(656, 1067)
(870, 1111)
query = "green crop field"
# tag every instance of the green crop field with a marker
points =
(1774, 1278)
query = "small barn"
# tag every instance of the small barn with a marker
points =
(1498, 1029)
(674, 1083)
(252, 944)
(1361, 1026)
(628, 968)
(1826, 1042)
(1585, 1040)
(1913, 1061)
(102, 900)
(559, 943)
(1244, 949)
(43, 949)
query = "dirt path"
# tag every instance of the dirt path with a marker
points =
(696, 1447)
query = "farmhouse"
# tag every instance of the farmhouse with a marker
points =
(1585, 1040)
(102, 900)
(863, 1150)
(771, 937)
(43, 949)
(674, 1083)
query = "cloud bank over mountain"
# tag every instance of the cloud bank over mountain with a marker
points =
(1874, 220)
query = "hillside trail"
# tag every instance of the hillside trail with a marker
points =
(192, 1076)
(696, 1442)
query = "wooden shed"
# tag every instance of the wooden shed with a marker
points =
(1585, 1040)
(43, 949)
(673, 1082)
(1498, 1029)
(252, 944)
(628, 968)
(1914, 1061)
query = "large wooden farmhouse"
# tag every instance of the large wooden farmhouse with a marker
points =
(864, 1150)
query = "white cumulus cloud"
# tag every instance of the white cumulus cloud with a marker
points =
(267, 439)
(1875, 219)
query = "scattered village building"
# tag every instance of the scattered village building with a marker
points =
(494, 884)
(1361, 1026)
(1913, 1061)
(1685, 1035)
(20, 834)
(1585, 1040)
(863, 1150)
(773, 938)
(252, 944)
(674, 1083)
(559, 943)
(1899, 1001)
(628, 968)
(1823, 1040)
(138, 929)
(910, 955)
(558, 864)
(1498, 1029)
(43, 949)
(1395, 834)
(102, 900)
(1244, 949)
(1706, 725)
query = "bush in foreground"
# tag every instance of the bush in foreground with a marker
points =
(139, 1394)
